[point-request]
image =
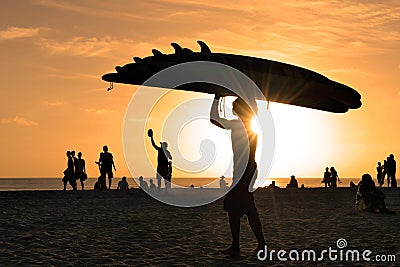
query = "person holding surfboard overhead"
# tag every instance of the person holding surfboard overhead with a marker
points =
(240, 200)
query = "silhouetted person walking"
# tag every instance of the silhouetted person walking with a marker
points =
(327, 177)
(69, 173)
(163, 158)
(379, 174)
(80, 169)
(240, 200)
(106, 163)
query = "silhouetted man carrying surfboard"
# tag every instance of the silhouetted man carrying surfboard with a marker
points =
(240, 200)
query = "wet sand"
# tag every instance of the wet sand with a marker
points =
(113, 228)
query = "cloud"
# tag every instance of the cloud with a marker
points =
(101, 8)
(18, 32)
(19, 121)
(73, 76)
(53, 103)
(101, 111)
(80, 46)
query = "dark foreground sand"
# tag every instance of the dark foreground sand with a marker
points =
(54, 228)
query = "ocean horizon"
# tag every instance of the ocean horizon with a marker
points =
(29, 184)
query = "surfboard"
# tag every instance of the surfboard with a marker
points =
(279, 82)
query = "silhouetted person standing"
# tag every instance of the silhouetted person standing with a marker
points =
(81, 170)
(240, 200)
(334, 177)
(379, 174)
(106, 163)
(163, 157)
(391, 172)
(69, 174)
(384, 170)
(169, 175)
(76, 164)
(327, 177)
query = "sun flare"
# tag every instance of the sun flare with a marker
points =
(255, 127)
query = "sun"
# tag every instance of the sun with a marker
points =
(255, 127)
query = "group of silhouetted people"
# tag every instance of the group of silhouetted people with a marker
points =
(143, 184)
(331, 177)
(387, 170)
(76, 170)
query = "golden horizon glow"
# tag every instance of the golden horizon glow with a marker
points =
(54, 53)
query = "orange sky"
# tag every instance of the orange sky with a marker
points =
(53, 54)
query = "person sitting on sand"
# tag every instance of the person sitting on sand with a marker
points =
(123, 184)
(327, 177)
(240, 200)
(293, 182)
(222, 183)
(152, 185)
(273, 185)
(369, 198)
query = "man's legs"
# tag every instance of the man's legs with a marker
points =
(256, 227)
(234, 224)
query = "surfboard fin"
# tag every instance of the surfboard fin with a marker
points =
(156, 53)
(204, 47)
(187, 51)
(137, 59)
(178, 49)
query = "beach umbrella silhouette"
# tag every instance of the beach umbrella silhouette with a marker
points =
(278, 82)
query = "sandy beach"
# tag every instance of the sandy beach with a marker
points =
(55, 228)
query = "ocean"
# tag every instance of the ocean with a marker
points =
(29, 184)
